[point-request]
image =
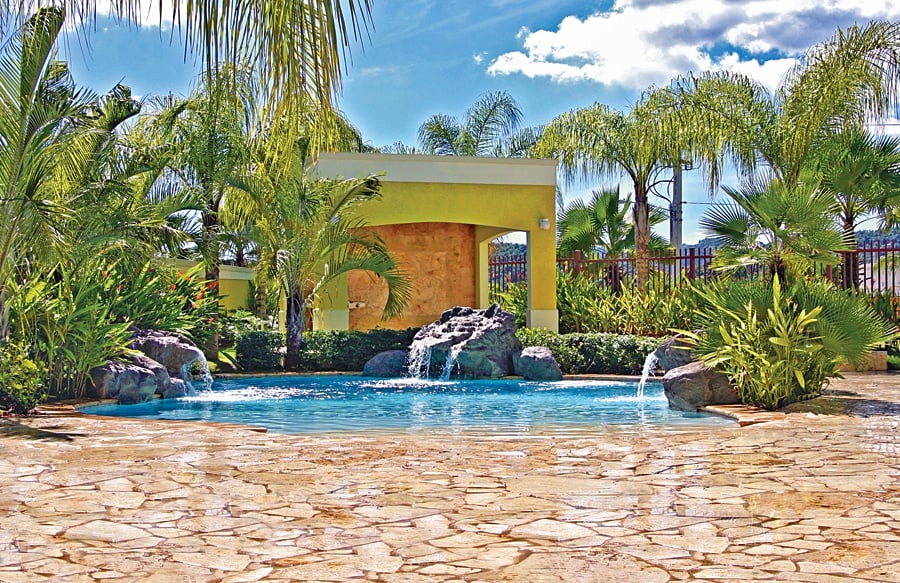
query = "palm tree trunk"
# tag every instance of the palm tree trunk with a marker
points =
(210, 241)
(850, 279)
(262, 298)
(295, 323)
(641, 235)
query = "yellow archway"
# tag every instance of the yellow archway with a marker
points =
(453, 206)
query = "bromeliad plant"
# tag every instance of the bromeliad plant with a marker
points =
(782, 344)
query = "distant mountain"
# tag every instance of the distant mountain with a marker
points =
(890, 238)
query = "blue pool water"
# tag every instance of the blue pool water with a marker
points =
(314, 404)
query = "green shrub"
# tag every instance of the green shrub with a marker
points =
(232, 325)
(21, 381)
(781, 344)
(348, 350)
(587, 306)
(593, 353)
(259, 350)
(67, 325)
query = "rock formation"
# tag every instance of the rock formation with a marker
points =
(163, 366)
(694, 385)
(466, 343)
(536, 363)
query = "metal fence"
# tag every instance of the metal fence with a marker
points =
(877, 266)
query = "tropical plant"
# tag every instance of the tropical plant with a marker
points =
(788, 230)
(490, 127)
(313, 234)
(296, 49)
(781, 344)
(862, 173)
(838, 85)
(21, 381)
(602, 225)
(599, 141)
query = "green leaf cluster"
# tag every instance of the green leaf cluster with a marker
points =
(22, 385)
(780, 344)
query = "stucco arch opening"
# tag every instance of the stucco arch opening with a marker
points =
(438, 215)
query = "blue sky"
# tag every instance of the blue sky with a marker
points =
(437, 56)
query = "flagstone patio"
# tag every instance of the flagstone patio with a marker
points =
(811, 498)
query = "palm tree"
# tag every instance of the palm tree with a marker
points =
(313, 235)
(861, 172)
(205, 141)
(599, 141)
(602, 224)
(274, 164)
(490, 127)
(37, 113)
(787, 230)
(838, 85)
(298, 49)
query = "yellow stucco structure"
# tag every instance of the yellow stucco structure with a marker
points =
(438, 214)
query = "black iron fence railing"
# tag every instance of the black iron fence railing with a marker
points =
(876, 265)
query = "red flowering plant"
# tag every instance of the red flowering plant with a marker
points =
(160, 298)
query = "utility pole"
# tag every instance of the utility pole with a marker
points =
(676, 217)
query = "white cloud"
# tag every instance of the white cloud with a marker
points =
(638, 43)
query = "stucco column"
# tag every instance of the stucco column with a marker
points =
(332, 311)
(542, 312)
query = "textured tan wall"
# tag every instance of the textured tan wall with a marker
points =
(440, 259)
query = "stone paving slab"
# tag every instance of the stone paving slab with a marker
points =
(804, 498)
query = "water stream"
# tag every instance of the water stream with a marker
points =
(649, 366)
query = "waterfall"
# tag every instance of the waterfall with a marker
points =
(204, 379)
(649, 366)
(419, 361)
(450, 363)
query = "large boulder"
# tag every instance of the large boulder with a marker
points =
(135, 381)
(175, 353)
(387, 364)
(466, 343)
(695, 385)
(672, 353)
(126, 382)
(536, 363)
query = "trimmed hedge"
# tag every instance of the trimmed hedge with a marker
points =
(259, 350)
(348, 350)
(593, 353)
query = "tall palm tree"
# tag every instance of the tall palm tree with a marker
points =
(490, 127)
(37, 122)
(600, 141)
(299, 49)
(861, 171)
(839, 84)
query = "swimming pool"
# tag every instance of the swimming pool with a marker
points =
(314, 404)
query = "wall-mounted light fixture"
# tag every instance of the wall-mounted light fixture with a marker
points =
(544, 223)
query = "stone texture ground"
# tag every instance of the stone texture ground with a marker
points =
(810, 498)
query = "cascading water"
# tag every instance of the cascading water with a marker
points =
(649, 366)
(204, 379)
(450, 363)
(419, 361)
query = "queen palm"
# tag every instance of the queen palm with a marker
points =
(600, 141)
(490, 127)
(298, 49)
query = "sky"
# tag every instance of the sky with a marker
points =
(425, 57)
